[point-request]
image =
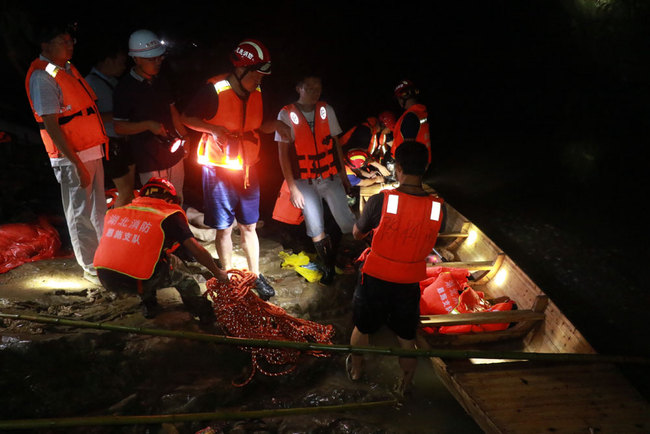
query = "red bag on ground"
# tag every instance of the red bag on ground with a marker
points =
(23, 242)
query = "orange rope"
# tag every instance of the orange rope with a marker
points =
(243, 314)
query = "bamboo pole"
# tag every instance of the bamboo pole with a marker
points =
(185, 417)
(339, 348)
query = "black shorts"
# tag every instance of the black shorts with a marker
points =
(378, 302)
(119, 152)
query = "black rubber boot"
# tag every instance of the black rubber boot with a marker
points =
(327, 255)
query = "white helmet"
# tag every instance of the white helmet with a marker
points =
(145, 43)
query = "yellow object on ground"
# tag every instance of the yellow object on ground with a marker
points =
(302, 264)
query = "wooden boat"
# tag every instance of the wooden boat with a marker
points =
(524, 396)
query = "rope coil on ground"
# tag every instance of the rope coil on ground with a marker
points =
(243, 314)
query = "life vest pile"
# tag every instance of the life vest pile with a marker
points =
(446, 291)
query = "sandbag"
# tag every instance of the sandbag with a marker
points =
(27, 242)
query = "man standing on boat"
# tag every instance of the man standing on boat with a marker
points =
(414, 123)
(228, 111)
(405, 223)
(313, 168)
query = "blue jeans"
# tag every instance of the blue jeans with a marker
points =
(331, 190)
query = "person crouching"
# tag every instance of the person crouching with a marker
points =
(132, 253)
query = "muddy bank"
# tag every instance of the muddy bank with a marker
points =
(51, 371)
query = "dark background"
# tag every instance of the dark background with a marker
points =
(538, 112)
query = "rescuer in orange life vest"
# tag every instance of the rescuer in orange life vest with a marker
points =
(404, 223)
(146, 229)
(71, 128)
(413, 124)
(228, 111)
(310, 159)
(374, 135)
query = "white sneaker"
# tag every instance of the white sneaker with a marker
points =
(92, 278)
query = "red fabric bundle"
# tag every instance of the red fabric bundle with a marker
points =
(23, 242)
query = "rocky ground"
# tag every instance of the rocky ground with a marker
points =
(53, 371)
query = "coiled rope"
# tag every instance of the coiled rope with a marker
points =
(243, 314)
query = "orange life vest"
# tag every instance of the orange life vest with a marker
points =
(423, 133)
(133, 237)
(372, 124)
(314, 149)
(242, 119)
(80, 121)
(407, 232)
(284, 211)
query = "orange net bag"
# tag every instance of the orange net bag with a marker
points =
(244, 315)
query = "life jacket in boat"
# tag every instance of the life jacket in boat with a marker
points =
(284, 211)
(314, 149)
(133, 237)
(242, 119)
(423, 137)
(79, 119)
(471, 301)
(407, 232)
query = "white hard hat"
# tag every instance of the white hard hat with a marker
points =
(145, 43)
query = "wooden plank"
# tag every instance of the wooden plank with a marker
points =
(453, 235)
(524, 397)
(481, 318)
(470, 265)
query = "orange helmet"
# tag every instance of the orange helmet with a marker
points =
(388, 119)
(252, 55)
(405, 89)
(159, 188)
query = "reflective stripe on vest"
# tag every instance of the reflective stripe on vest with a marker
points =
(423, 133)
(80, 121)
(133, 237)
(242, 119)
(314, 149)
(407, 232)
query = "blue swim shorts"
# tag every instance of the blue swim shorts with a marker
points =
(225, 198)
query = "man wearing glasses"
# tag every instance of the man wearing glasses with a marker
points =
(71, 128)
(144, 110)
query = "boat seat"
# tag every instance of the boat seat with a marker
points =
(481, 318)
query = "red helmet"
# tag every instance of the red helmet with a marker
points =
(388, 119)
(356, 158)
(405, 88)
(252, 55)
(159, 188)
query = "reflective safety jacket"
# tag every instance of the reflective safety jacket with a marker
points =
(133, 237)
(423, 133)
(407, 232)
(314, 149)
(242, 119)
(79, 120)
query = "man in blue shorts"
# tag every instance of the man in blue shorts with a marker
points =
(405, 223)
(228, 111)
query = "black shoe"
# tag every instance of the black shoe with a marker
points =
(150, 309)
(264, 288)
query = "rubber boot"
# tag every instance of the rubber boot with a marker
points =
(327, 255)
